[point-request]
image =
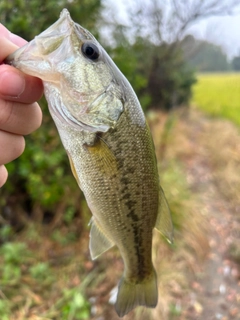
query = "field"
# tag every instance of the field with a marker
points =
(218, 94)
(45, 269)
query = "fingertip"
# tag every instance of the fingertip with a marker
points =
(4, 32)
(16, 39)
(18, 86)
(38, 116)
(3, 175)
(19, 147)
(12, 82)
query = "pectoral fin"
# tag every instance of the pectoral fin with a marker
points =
(164, 221)
(74, 172)
(102, 158)
(99, 242)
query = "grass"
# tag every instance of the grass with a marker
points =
(218, 94)
(34, 285)
(48, 274)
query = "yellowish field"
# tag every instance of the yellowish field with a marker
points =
(218, 94)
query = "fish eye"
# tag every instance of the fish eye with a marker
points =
(90, 51)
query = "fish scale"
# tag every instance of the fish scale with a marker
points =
(110, 149)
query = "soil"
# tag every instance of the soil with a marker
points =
(215, 292)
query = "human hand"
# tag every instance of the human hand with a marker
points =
(19, 113)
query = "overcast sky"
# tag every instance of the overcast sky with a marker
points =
(224, 31)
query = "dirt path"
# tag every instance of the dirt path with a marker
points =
(216, 290)
(205, 149)
(209, 151)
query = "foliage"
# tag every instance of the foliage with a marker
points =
(28, 18)
(157, 72)
(170, 79)
(52, 276)
(219, 95)
(26, 279)
(75, 305)
(204, 56)
(236, 63)
(45, 271)
(40, 180)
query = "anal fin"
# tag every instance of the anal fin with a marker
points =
(99, 242)
(164, 220)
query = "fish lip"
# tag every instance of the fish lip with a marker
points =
(13, 56)
(38, 48)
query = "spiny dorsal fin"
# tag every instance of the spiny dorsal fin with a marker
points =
(99, 242)
(164, 221)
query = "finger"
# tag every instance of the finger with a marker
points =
(13, 116)
(7, 47)
(16, 86)
(11, 36)
(11, 146)
(3, 175)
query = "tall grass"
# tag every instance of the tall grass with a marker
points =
(219, 95)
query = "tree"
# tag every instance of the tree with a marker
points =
(159, 28)
(236, 63)
(40, 180)
(204, 56)
(28, 18)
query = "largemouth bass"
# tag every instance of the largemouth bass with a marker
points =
(110, 149)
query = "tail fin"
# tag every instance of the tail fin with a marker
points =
(131, 295)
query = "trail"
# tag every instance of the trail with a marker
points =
(215, 292)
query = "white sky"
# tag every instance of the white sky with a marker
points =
(223, 31)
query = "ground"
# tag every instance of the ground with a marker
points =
(209, 152)
(215, 292)
(46, 272)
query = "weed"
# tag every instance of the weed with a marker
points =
(40, 270)
(5, 233)
(75, 306)
(14, 253)
(4, 309)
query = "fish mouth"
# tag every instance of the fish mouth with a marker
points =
(38, 57)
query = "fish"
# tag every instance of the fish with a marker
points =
(110, 149)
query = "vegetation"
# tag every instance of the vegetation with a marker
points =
(203, 56)
(236, 63)
(219, 95)
(47, 272)
(33, 187)
(45, 268)
(40, 181)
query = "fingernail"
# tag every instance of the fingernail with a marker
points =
(12, 84)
